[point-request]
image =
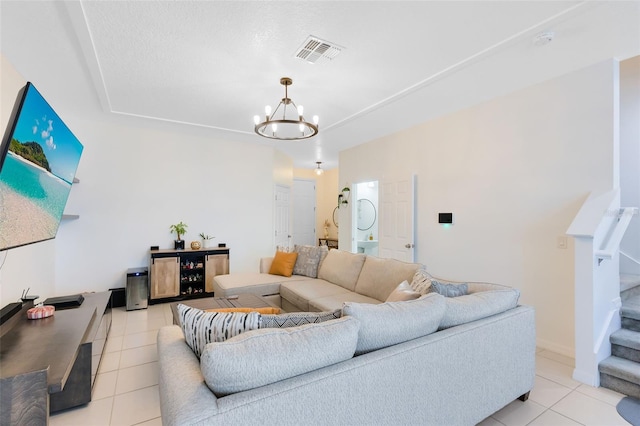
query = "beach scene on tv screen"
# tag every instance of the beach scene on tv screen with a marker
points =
(37, 174)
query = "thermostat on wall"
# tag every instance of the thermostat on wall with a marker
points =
(445, 217)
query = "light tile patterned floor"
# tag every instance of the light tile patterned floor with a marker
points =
(126, 389)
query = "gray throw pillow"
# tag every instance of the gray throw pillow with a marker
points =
(265, 356)
(449, 290)
(200, 327)
(391, 323)
(309, 259)
(295, 319)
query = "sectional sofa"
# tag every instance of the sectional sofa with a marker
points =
(433, 360)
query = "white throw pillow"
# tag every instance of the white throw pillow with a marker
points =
(391, 323)
(403, 292)
(260, 357)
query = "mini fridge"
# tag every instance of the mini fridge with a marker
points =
(137, 288)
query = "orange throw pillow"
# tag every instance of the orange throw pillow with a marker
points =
(283, 263)
(262, 311)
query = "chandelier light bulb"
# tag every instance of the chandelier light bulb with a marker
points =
(300, 111)
(316, 119)
(256, 119)
(267, 111)
(274, 127)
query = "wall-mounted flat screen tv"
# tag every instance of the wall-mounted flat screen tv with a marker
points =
(38, 161)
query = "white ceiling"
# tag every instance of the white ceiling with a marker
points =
(215, 64)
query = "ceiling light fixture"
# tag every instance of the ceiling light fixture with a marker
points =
(319, 171)
(274, 127)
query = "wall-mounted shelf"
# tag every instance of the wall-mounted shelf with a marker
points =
(72, 216)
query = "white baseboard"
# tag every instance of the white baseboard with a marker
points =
(554, 347)
(586, 378)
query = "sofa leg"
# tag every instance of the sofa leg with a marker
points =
(524, 396)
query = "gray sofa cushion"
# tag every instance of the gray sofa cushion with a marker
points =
(464, 309)
(336, 301)
(295, 319)
(200, 327)
(379, 277)
(260, 284)
(299, 293)
(390, 323)
(268, 355)
(342, 268)
(309, 258)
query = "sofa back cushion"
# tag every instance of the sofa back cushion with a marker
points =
(472, 307)
(379, 277)
(343, 268)
(391, 323)
(268, 355)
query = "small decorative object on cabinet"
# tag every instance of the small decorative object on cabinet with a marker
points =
(195, 245)
(180, 229)
(207, 240)
(185, 274)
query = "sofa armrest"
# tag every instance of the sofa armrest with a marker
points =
(265, 264)
(180, 381)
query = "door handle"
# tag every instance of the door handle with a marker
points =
(409, 245)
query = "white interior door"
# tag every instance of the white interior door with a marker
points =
(304, 212)
(397, 238)
(281, 225)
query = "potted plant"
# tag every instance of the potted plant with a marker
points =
(343, 197)
(180, 229)
(206, 239)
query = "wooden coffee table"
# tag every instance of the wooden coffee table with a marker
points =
(242, 301)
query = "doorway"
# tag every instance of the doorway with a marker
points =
(304, 212)
(366, 220)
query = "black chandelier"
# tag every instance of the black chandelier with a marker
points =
(279, 127)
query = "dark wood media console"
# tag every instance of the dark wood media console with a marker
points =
(50, 364)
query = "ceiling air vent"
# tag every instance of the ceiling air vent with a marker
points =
(316, 50)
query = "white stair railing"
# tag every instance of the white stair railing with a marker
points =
(618, 230)
(597, 230)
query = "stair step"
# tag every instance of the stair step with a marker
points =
(631, 308)
(629, 286)
(620, 375)
(627, 338)
(621, 368)
(631, 324)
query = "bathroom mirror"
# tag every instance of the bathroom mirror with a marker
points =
(335, 216)
(366, 214)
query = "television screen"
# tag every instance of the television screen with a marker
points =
(38, 161)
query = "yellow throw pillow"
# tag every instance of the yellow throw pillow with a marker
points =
(262, 311)
(283, 263)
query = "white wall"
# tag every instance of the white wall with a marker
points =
(514, 171)
(630, 160)
(136, 179)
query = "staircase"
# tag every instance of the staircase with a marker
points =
(621, 371)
